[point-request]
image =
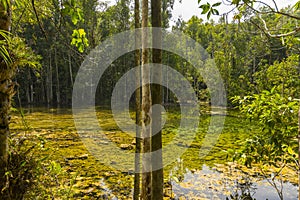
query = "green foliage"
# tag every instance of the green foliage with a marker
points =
(4, 54)
(284, 75)
(297, 6)
(30, 174)
(22, 55)
(71, 8)
(79, 39)
(16, 53)
(277, 116)
(53, 181)
(19, 173)
(209, 9)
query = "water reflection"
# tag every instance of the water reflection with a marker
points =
(209, 183)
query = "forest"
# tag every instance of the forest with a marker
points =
(119, 100)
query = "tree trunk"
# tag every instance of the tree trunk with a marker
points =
(30, 82)
(136, 191)
(57, 80)
(6, 87)
(70, 70)
(146, 112)
(299, 153)
(49, 82)
(156, 141)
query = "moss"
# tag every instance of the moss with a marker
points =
(95, 180)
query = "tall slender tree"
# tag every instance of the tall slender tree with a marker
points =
(136, 192)
(156, 141)
(146, 108)
(7, 72)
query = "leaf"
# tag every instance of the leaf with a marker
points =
(208, 15)
(23, 164)
(215, 12)
(81, 33)
(238, 16)
(291, 151)
(235, 2)
(297, 6)
(205, 8)
(175, 179)
(74, 19)
(216, 4)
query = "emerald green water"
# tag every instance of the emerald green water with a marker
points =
(190, 176)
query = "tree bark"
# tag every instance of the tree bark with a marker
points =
(70, 69)
(137, 59)
(6, 87)
(57, 79)
(156, 141)
(146, 112)
(299, 153)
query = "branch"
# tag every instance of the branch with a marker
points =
(263, 30)
(276, 7)
(38, 19)
(278, 35)
(272, 11)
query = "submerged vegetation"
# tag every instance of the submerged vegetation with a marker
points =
(67, 170)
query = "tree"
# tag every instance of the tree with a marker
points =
(7, 72)
(156, 90)
(146, 109)
(136, 192)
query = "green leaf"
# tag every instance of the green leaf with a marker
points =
(297, 6)
(216, 4)
(235, 2)
(74, 19)
(208, 15)
(215, 12)
(205, 8)
(238, 16)
(291, 151)
(79, 39)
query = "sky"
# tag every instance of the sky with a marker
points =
(188, 8)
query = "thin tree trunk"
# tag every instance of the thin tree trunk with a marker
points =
(49, 82)
(299, 153)
(6, 88)
(31, 93)
(156, 141)
(57, 80)
(70, 69)
(136, 191)
(146, 112)
(28, 93)
(30, 87)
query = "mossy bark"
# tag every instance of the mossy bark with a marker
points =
(6, 85)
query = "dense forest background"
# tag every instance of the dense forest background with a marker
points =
(248, 59)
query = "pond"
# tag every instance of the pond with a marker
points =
(189, 176)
